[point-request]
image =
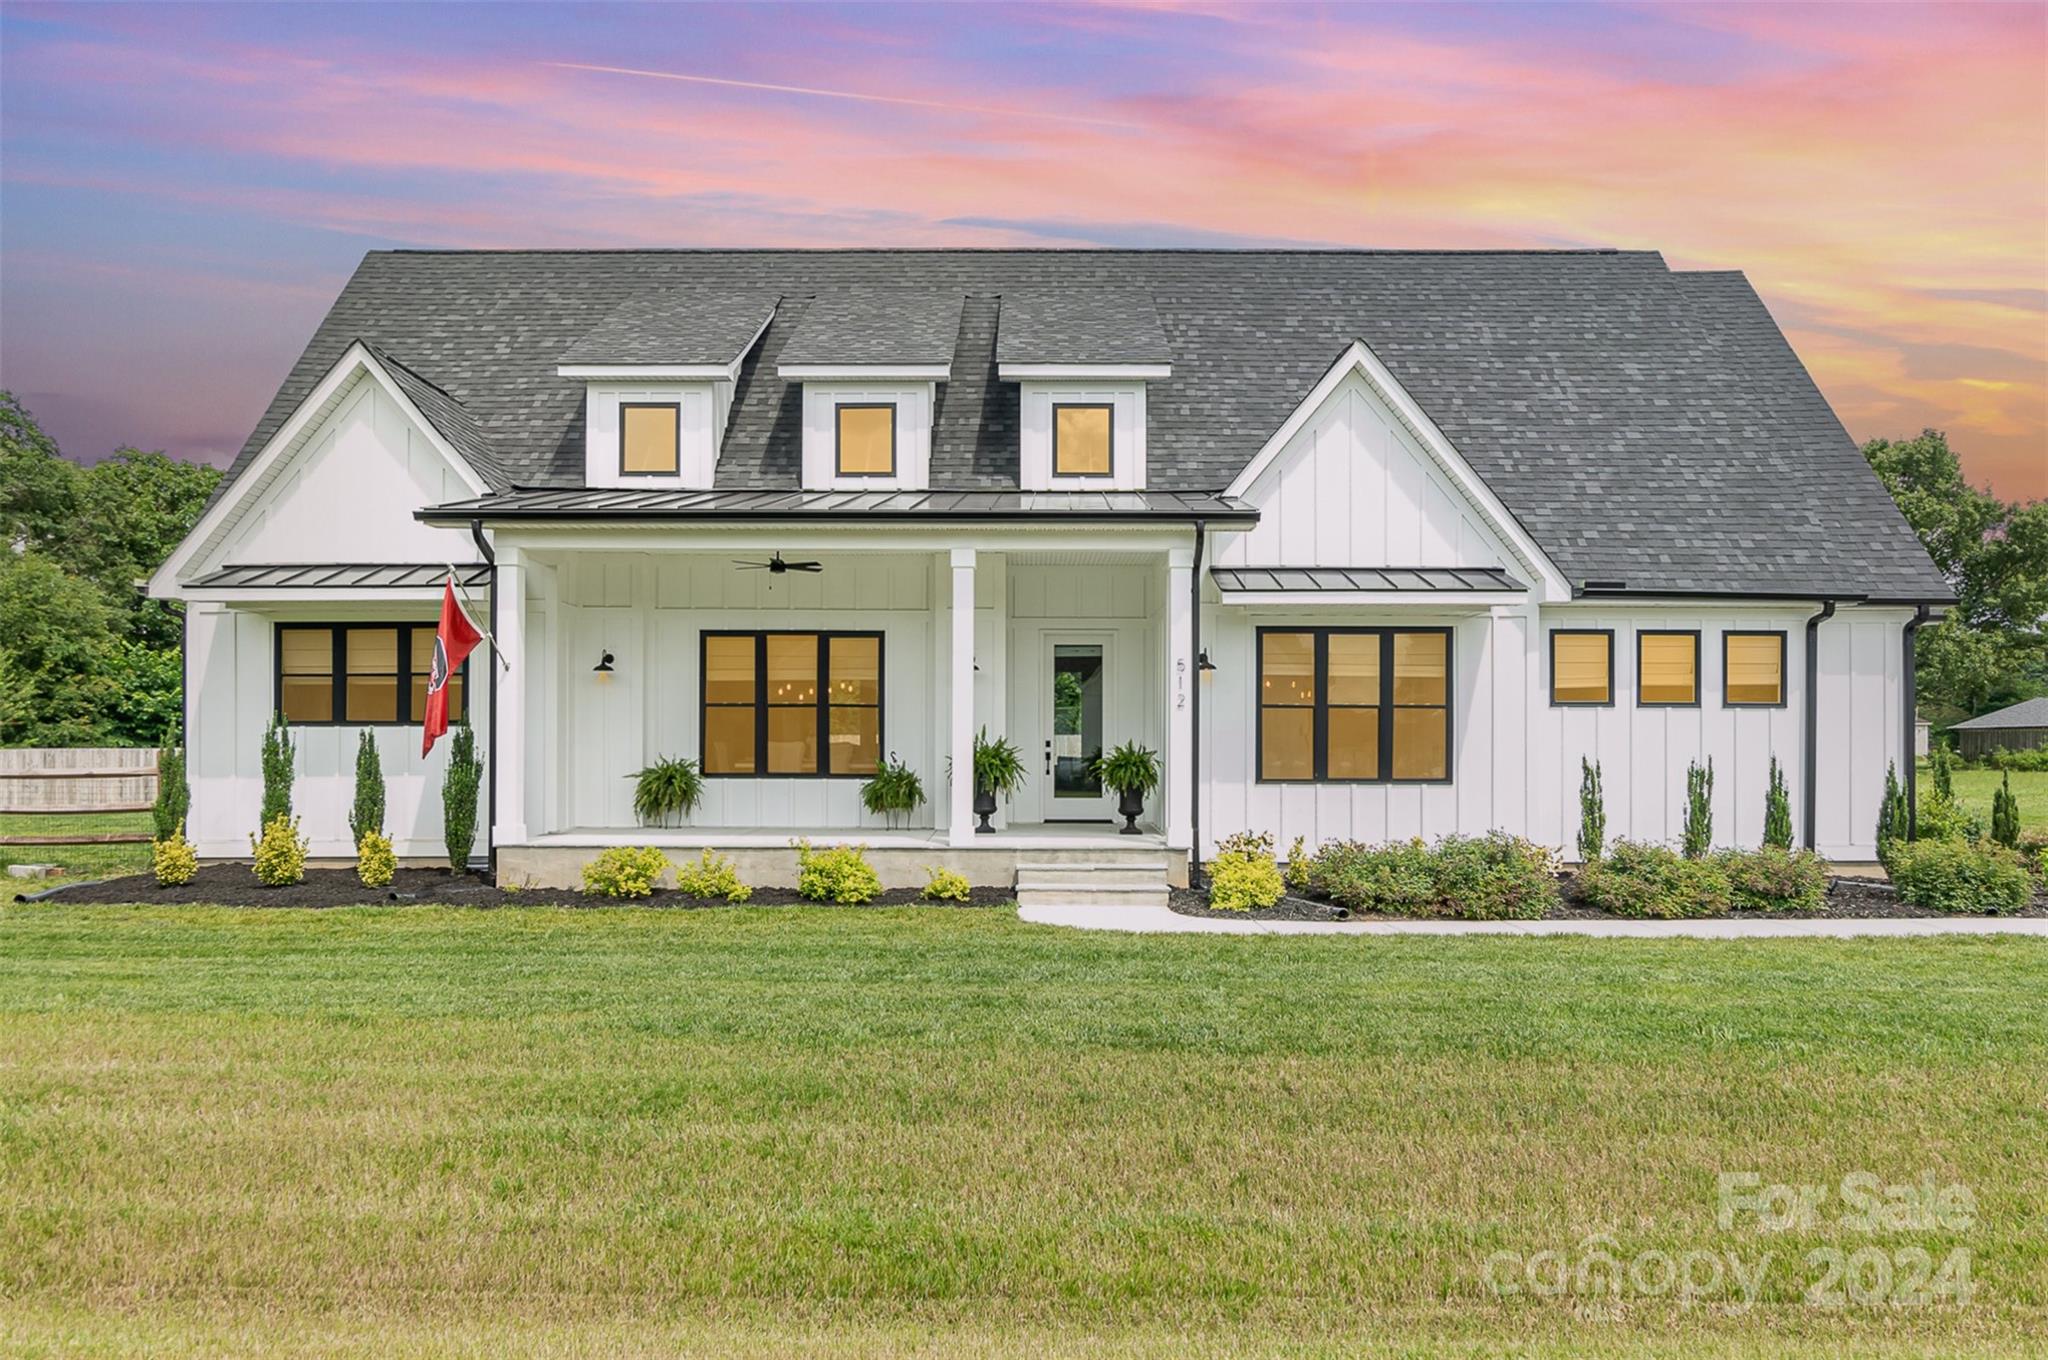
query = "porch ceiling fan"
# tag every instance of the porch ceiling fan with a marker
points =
(776, 566)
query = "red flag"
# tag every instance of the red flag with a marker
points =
(453, 641)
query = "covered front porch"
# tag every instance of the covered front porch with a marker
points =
(790, 686)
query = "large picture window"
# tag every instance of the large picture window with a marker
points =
(1354, 705)
(792, 703)
(362, 673)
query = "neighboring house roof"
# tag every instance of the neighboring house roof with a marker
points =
(1643, 426)
(676, 326)
(353, 576)
(929, 505)
(2025, 713)
(1080, 327)
(1317, 580)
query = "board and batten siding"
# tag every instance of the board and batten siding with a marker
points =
(1515, 758)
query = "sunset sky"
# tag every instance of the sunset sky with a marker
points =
(184, 189)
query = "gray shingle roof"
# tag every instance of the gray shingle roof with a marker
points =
(451, 420)
(2025, 713)
(1644, 426)
(877, 326)
(1080, 327)
(678, 326)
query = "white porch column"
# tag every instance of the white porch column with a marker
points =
(1180, 682)
(508, 718)
(960, 796)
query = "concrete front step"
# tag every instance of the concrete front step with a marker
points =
(1092, 873)
(1104, 896)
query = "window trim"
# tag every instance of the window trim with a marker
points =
(1784, 688)
(761, 705)
(838, 433)
(1108, 407)
(337, 672)
(1699, 680)
(1319, 754)
(677, 407)
(1556, 702)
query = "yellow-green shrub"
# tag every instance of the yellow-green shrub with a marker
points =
(713, 875)
(946, 886)
(280, 853)
(376, 862)
(838, 873)
(173, 860)
(625, 871)
(1244, 875)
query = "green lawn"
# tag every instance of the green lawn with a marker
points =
(1975, 787)
(78, 861)
(400, 1131)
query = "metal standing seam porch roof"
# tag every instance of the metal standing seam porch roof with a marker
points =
(925, 506)
(353, 576)
(1406, 580)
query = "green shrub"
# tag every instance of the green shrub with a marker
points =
(2005, 814)
(624, 871)
(712, 875)
(1300, 866)
(1954, 876)
(893, 791)
(280, 853)
(2028, 759)
(376, 862)
(1495, 877)
(1699, 809)
(1777, 810)
(1244, 874)
(173, 794)
(278, 758)
(1894, 822)
(1657, 882)
(458, 796)
(1944, 770)
(1943, 819)
(671, 787)
(367, 814)
(1776, 879)
(172, 858)
(838, 873)
(1592, 812)
(946, 886)
(1393, 880)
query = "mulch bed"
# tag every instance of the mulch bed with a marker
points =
(1848, 898)
(235, 885)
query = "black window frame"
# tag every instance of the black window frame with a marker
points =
(824, 701)
(1320, 708)
(1699, 678)
(675, 406)
(838, 432)
(1107, 406)
(337, 673)
(1556, 702)
(1784, 686)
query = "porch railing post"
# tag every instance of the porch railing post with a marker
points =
(960, 793)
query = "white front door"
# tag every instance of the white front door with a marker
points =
(1078, 709)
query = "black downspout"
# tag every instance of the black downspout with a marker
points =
(1195, 710)
(1811, 775)
(1909, 645)
(483, 545)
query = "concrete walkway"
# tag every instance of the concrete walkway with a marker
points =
(1165, 921)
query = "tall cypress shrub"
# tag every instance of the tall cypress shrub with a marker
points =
(1893, 824)
(1592, 813)
(1699, 809)
(173, 793)
(1944, 772)
(1777, 810)
(367, 814)
(458, 796)
(2005, 815)
(278, 760)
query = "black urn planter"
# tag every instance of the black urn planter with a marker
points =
(984, 808)
(1129, 804)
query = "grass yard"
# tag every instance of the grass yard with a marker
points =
(413, 1131)
(1974, 789)
(77, 861)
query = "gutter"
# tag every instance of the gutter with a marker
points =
(1909, 672)
(1195, 710)
(1811, 774)
(483, 547)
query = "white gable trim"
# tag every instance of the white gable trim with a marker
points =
(1360, 359)
(355, 362)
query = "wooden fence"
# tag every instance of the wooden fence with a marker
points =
(54, 780)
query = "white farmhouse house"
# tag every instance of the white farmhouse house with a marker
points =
(1365, 545)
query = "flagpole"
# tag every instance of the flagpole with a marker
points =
(469, 608)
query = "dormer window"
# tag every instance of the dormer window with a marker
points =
(1083, 442)
(865, 443)
(650, 439)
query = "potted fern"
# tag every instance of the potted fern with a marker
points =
(998, 769)
(894, 791)
(1133, 771)
(672, 786)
